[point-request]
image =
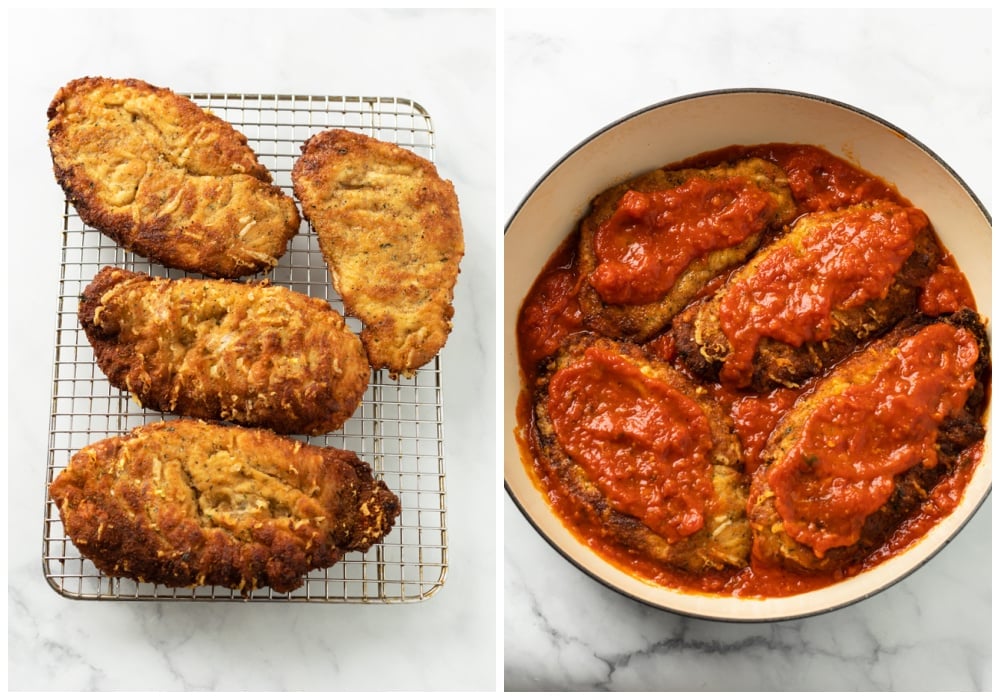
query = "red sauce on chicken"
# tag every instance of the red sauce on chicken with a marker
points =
(791, 294)
(622, 414)
(841, 468)
(652, 237)
(643, 443)
(819, 180)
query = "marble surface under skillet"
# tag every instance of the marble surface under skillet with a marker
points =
(926, 72)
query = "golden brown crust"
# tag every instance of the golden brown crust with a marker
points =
(771, 542)
(186, 503)
(724, 540)
(390, 231)
(166, 179)
(639, 322)
(703, 347)
(253, 354)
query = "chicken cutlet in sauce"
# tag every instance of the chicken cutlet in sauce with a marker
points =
(551, 318)
(853, 455)
(650, 464)
(649, 245)
(806, 300)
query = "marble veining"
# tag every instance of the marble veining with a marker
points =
(566, 631)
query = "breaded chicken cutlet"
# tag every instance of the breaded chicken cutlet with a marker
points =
(811, 297)
(861, 451)
(390, 231)
(167, 180)
(186, 503)
(667, 478)
(649, 244)
(254, 354)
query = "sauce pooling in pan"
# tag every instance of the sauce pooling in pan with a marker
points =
(649, 465)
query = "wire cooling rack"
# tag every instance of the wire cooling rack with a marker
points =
(397, 429)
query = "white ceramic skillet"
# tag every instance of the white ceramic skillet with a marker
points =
(687, 126)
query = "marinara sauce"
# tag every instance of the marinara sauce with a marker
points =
(840, 262)
(855, 442)
(640, 262)
(652, 237)
(643, 443)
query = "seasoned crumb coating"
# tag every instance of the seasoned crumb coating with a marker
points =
(390, 231)
(187, 503)
(254, 354)
(166, 179)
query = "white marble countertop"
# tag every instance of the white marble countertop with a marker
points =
(445, 61)
(565, 78)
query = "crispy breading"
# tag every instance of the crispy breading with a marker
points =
(186, 503)
(723, 539)
(640, 321)
(704, 348)
(954, 429)
(166, 179)
(254, 354)
(390, 231)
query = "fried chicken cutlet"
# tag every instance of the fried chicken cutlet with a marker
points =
(861, 451)
(166, 179)
(645, 458)
(649, 245)
(390, 231)
(811, 297)
(253, 354)
(186, 503)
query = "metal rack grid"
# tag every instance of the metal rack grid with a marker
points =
(397, 429)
